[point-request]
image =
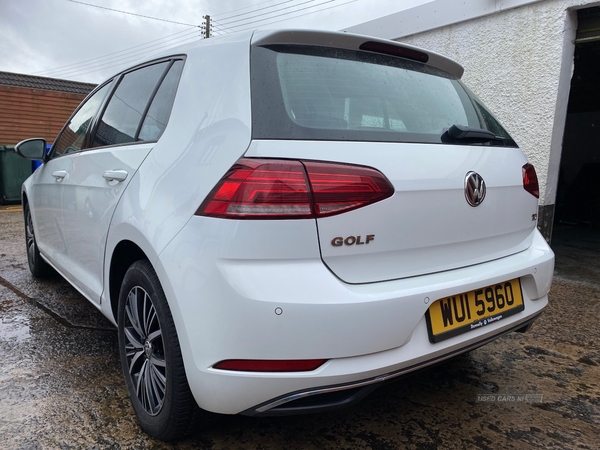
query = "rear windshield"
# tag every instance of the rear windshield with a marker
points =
(318, 93)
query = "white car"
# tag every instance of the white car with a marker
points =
(279, 221)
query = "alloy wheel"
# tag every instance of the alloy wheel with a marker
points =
(144, 349)
(29, 237)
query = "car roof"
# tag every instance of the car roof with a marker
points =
(318, 38)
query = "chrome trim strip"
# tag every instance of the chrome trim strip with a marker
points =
(310, 393)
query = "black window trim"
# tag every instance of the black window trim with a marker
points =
(150, 100)
(119, 77)
(52, 152)
(115, 80)
(100, 115)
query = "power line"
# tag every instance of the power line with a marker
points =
(255, 10)
(223, 24)
(280, 15)
(301, 15)
(121, 55)
(262, 14)
(133, 14)
(245, 7)
(122, 60)
(106, 61)
(121, 64)
(111, 60)
(219, 29)
(216, 26)
(272, 17)
(109, 55)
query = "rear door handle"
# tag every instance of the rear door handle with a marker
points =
(59, 174)
(115, 175)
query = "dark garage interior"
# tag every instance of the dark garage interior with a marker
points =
(577, 215)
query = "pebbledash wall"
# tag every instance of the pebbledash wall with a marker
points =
(518, 58)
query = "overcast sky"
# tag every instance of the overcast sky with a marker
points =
(71, 40)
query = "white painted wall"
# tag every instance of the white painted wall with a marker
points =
(431, 15)
(518, 57)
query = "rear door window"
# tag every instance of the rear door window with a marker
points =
(126, 108)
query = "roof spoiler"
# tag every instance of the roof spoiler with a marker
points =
(351, 41)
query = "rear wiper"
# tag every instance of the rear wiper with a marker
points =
(466, 135)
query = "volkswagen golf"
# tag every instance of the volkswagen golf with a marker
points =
(279, 221)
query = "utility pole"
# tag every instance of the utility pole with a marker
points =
(206, 26)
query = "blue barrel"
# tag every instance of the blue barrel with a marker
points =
(36, 164)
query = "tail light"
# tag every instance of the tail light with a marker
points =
(530, 181)
(282, 189)
(264, 365)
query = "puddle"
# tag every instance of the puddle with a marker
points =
(47, 310)
(14, 328)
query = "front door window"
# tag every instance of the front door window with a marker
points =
(73, 136)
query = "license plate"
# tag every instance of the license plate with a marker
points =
(449, 317)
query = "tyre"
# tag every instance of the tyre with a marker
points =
(38, 267)
(151, 357)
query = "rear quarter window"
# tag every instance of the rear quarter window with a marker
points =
(125, 109)
(158, 114)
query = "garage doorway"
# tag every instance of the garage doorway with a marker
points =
(576, 230)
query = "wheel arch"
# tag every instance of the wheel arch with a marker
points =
(124, 255)
(24, 203)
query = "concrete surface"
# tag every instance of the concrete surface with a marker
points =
(61, 386)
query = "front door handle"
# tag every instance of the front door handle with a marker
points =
(59, 174)
(115, 175)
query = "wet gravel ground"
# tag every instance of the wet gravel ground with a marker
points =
(61, 386)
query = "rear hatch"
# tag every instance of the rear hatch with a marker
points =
(427, 225)
(463, 192)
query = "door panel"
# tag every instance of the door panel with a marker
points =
(101, 174)
(46, 199)
(99, 178)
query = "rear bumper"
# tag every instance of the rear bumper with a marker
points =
(228, 309)
(326, 398)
